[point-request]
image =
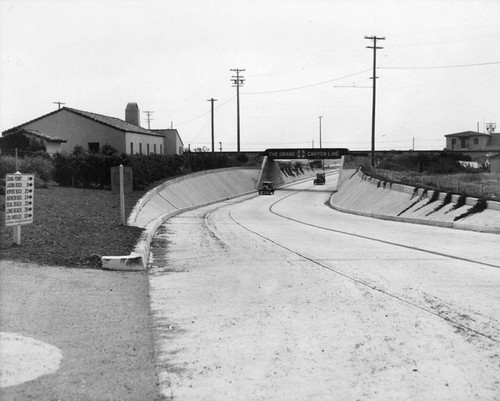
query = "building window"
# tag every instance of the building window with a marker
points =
(476, 141)
(94, 147)
(147, 147)
(161, 149)
(463, 142)
(154, 148)
(140, 148)
(131, 148)
(453, 141)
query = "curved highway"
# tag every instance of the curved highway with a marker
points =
(283, 298)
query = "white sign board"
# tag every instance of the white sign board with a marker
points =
(19, 199)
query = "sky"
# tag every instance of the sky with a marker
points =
(307, 69)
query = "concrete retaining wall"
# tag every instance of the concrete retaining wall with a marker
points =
(363, 195)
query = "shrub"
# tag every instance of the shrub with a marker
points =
(39, 165)
(7, 165)
(446, 201)
(478, 207)
(242, 158)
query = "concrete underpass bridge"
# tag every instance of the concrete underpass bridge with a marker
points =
(270, 169)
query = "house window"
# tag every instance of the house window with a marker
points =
(147, 147)
(140, 148)
(154, 148)
(161, 149)
(94, 147)
(131, 148)
(463, 142)
(476, 141)
(453, 141)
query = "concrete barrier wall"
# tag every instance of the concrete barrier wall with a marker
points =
(193, 190)
(186, 193)
(367, 196)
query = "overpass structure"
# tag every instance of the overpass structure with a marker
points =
(270, 170)
(306, 153)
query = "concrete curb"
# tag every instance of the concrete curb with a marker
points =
(138, 259)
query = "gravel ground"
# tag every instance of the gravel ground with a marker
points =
(99, 320)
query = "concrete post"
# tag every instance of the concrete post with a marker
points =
(17, 235)
(122, 197)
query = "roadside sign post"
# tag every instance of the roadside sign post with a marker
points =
(19, 200)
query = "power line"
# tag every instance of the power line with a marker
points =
(207, 112)
(437, 67)
(307, 86)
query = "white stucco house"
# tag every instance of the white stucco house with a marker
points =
(65, 128)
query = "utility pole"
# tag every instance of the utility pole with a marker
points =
(320, 117)
(237, 82)
(212, 100)
(374, 77)
(58, 104)
(148, 118)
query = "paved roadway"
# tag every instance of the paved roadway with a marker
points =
(282, 298)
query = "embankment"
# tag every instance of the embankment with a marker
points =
(360, 194)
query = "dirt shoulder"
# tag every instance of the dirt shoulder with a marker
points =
(100, 321)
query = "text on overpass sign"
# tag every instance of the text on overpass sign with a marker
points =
(311, 153)
(19, 199)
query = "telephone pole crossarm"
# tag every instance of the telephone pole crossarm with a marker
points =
(148, 118)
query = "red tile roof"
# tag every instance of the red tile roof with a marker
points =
(38, 134)
(113, 122)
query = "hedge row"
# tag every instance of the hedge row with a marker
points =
(85, 169)
(93, 170)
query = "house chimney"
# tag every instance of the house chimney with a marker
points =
(132, 114)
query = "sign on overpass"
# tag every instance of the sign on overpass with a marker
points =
(307, 153)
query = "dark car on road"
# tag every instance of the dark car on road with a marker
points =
(266, 188)
(320, 179)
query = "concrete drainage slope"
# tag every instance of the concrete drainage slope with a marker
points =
(366, 196)
(186, 193)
